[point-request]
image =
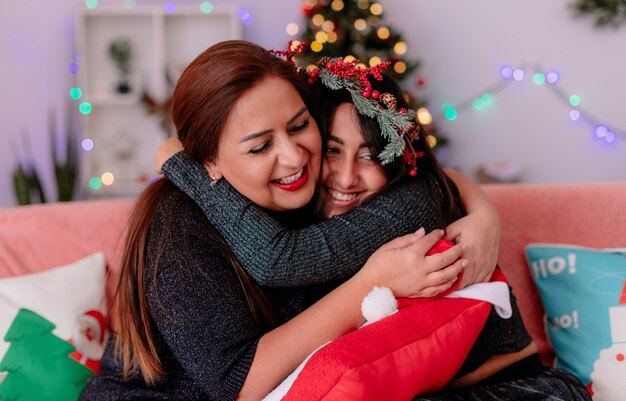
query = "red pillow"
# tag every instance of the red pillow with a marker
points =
(416, 350)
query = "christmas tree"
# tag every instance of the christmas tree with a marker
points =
(355, 29)
(38, 363)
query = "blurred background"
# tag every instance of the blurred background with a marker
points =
(529, 91)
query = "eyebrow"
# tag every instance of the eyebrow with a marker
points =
(267, 131)
(340, 141)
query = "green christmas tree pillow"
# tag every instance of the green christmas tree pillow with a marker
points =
(52, 331)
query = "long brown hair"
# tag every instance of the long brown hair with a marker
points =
(203, 98)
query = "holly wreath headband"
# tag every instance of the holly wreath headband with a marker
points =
(397, 126)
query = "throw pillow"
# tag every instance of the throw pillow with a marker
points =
(583, 291)
(52, 329)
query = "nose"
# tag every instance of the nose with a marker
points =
(290, 153)
(345, 173)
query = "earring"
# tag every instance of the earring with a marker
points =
(213, 182)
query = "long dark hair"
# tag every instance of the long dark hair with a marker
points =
(328, 100)
(203, 98)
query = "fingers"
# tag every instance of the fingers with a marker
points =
(440, 280)
(443, 259)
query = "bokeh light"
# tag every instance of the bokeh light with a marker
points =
(73, 67)
(85, 108)
(610, 137)
(317, 20)
(337, 5)
(518, 74)
(574, 115)
(316, 46)
(486, 98)
(332, 37)
(206, 7)
(328, 26)
(376, 9)
(574, 100)
(76, 93)
(383, 33)
(424, 116)
(107, 178)
(91, 4)
(245, 16)
(374, 61)
(400, 48)
(431, 140)
(169, 7)
(360, 24)
(130, 3)
(95, 183)
(601, 131)
(552, 77)
(363, 4)
(506, 72)
(321, 37)
(450, 113)
(400, 67)
(292, 29)
(87, 144)
(539, 78)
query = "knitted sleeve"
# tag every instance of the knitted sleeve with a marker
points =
(197, 304)
(331, 250)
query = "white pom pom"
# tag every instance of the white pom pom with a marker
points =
(379, 303)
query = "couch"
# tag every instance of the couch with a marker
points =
(37, 238)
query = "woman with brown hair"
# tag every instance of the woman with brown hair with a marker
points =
(191, 324)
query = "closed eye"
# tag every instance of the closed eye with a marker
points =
(297, 128)
(260, 148)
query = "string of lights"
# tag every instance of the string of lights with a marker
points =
(541, 77)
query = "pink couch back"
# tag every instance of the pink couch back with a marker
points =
(592, 215)
(36, 238)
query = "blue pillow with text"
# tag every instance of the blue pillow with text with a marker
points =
(583, 291)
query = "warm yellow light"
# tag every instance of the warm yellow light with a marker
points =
(292, 29)
(361, 65)
(400, 48)
(107, 178)
(294, 44)
(383, 33)
(336, 5)
(316, 46)
(328, 26)
(310, 67)
(349, 58)
(376, 9)
(373, 20)
(424, 116)
(374, 61)
(311, 3)
(399, 67)
(321, 37)
(363, 4)
(360, 24)
(431, 141)
(332, 37)
(318, 19)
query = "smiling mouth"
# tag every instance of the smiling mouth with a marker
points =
(292, 178)
(343, 197)
(294, 181)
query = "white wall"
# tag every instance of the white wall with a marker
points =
(461, 45)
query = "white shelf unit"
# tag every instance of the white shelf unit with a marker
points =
(125, 134)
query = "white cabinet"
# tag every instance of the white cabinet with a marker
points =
(124, 132)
